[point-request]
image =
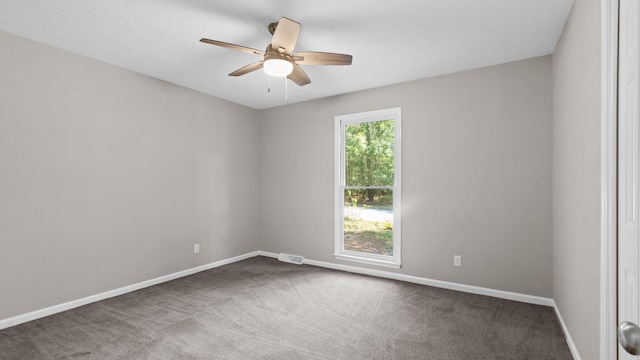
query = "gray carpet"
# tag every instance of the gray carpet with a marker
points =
(260, 308)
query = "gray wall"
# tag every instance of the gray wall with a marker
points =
(576, 176)
(476, 170)
(108, 178)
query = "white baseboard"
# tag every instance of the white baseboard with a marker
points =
(530, 299)
(572, 346)
(536, 300)
(19, 319)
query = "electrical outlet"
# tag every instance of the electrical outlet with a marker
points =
(457, 260)
(196, 248)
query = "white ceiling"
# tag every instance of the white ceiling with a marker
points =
(391, 41)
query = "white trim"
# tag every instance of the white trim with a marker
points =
(530, 299)
(608, 180)
(340, 122)
(436, 283)
(367, 260)
(567, 335)
(19, 319)
(537, 300)
(272, 255)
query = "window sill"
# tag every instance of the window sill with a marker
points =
(365, 260)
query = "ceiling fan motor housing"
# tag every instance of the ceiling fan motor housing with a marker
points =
(279, 59)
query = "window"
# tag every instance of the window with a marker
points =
(367, 190)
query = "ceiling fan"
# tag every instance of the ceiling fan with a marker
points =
(278, 59)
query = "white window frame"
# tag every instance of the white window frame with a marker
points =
(392, 261)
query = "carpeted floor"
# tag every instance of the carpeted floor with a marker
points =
(260, 308)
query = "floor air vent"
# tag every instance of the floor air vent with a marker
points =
(294, 259)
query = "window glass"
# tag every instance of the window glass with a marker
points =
(369, 152)
(368, 187)
(368, 220)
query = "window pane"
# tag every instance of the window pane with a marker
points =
(369, 154)
(368, 221)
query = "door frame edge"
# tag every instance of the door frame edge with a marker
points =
(608, 195)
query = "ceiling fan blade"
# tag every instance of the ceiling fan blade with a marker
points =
(233, 46)
(321, 58)
(285, 37)
(298, 76)
(247, 69)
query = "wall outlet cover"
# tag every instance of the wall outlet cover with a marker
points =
(457, 260)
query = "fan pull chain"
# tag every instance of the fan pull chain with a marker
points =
(286, 89)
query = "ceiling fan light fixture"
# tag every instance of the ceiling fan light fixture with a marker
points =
(278, 67)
